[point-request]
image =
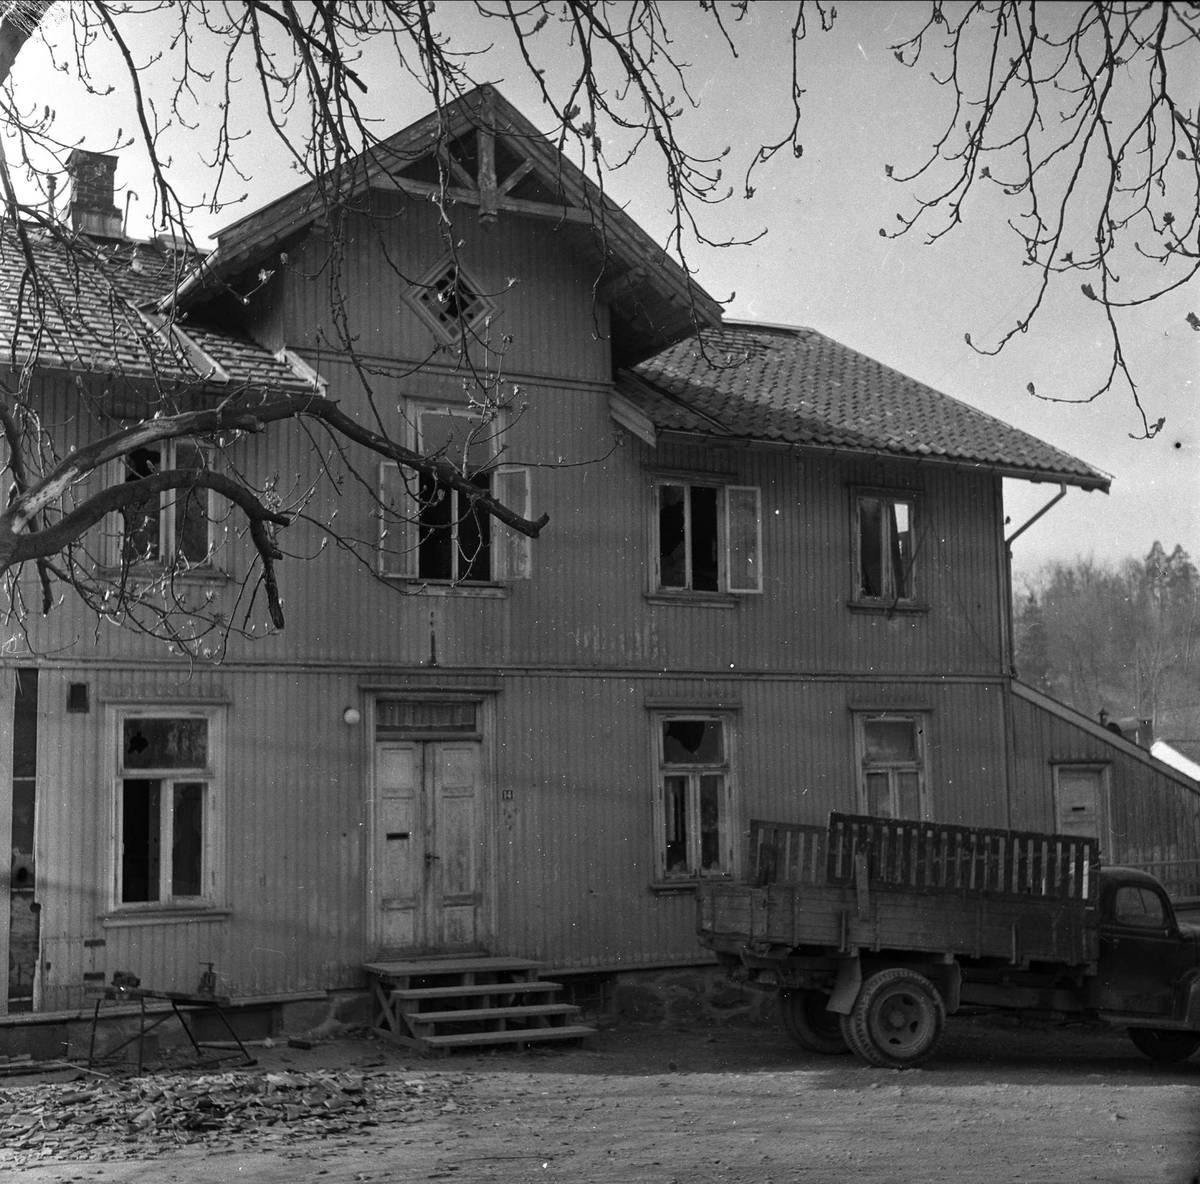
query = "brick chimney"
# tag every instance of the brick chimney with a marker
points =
(92, 209)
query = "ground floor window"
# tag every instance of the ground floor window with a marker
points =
(694, 811)
(165, 808)
(891, 758)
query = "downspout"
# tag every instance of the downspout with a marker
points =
(1062, 492)
(1010, 753)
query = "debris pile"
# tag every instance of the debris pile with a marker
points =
(144, 1116)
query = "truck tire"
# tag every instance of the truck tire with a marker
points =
(807, 1022)
(897, 1021)
(1164, 1046)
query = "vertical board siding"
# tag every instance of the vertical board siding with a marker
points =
(542, 292)
(573, 846)
(293, 810)
(586, 605)
(1152, 815)
(576, 842)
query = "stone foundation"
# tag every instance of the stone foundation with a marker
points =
(698, 995)
(702, 994)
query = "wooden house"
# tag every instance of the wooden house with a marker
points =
(774, 583)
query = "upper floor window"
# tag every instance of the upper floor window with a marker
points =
(709, 537)
(454, 538)
(884, 534)
(694, 807)
(891, 752)
(431, 531)
(166, 829)
(176, 525)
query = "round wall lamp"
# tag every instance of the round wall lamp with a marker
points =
(352, 717)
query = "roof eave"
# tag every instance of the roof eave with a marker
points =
(1087, 482)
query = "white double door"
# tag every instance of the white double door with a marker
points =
(428, 848)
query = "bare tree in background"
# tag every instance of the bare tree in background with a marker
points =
(1081, 116)
(1116, 638)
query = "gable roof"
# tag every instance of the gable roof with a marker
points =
(94, 317)
(653, 300)
(792, 386)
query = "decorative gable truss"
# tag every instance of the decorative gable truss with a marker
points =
(485, 168)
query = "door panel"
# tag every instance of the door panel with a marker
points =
(456, 894)
(1078, 800)
(399, 845)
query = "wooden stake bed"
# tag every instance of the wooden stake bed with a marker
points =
(438, 1004)
(879, 884)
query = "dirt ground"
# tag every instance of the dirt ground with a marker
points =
(639, 1106)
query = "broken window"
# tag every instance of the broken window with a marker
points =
(164, 806)
(708, 538)
(891, 760)
(431, 532)
(450, 301)
(884, 548)
(454, 538)
(175, 525)
(695, 828)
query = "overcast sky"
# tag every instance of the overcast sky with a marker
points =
(823, 262)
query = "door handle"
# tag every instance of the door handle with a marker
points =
(430, 857)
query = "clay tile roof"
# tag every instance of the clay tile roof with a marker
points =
(91, 320)
(769, 384)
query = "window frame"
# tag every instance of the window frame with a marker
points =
(729, 584)
(167, 515)
(888, 597)
(451, 329)
(920, 719)
(728, 828)
(212, 823)
(400, 533)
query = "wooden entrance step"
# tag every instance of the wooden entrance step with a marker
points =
(442, 1003)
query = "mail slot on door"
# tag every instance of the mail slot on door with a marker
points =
(397, 834)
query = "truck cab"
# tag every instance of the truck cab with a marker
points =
(1149, 965)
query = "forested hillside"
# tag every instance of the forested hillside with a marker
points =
(1121, 639)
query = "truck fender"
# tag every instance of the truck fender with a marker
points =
(1191, 996)
(949, 978)
(846, 986)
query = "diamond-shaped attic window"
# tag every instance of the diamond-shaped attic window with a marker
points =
(450, 301)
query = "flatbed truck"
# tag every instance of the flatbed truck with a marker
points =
(873, 930)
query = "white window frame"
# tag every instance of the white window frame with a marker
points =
(213, 823)
(893, 769)
(729, 832)
(167, 538)
(510, 553)
(733, 577)
(888, 595)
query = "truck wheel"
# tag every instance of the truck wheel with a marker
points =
(1163, 1045)
(897, 1021)
(807, 1022)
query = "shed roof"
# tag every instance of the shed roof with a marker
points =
(793, 386)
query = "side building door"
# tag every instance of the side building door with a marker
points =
(428, 854)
